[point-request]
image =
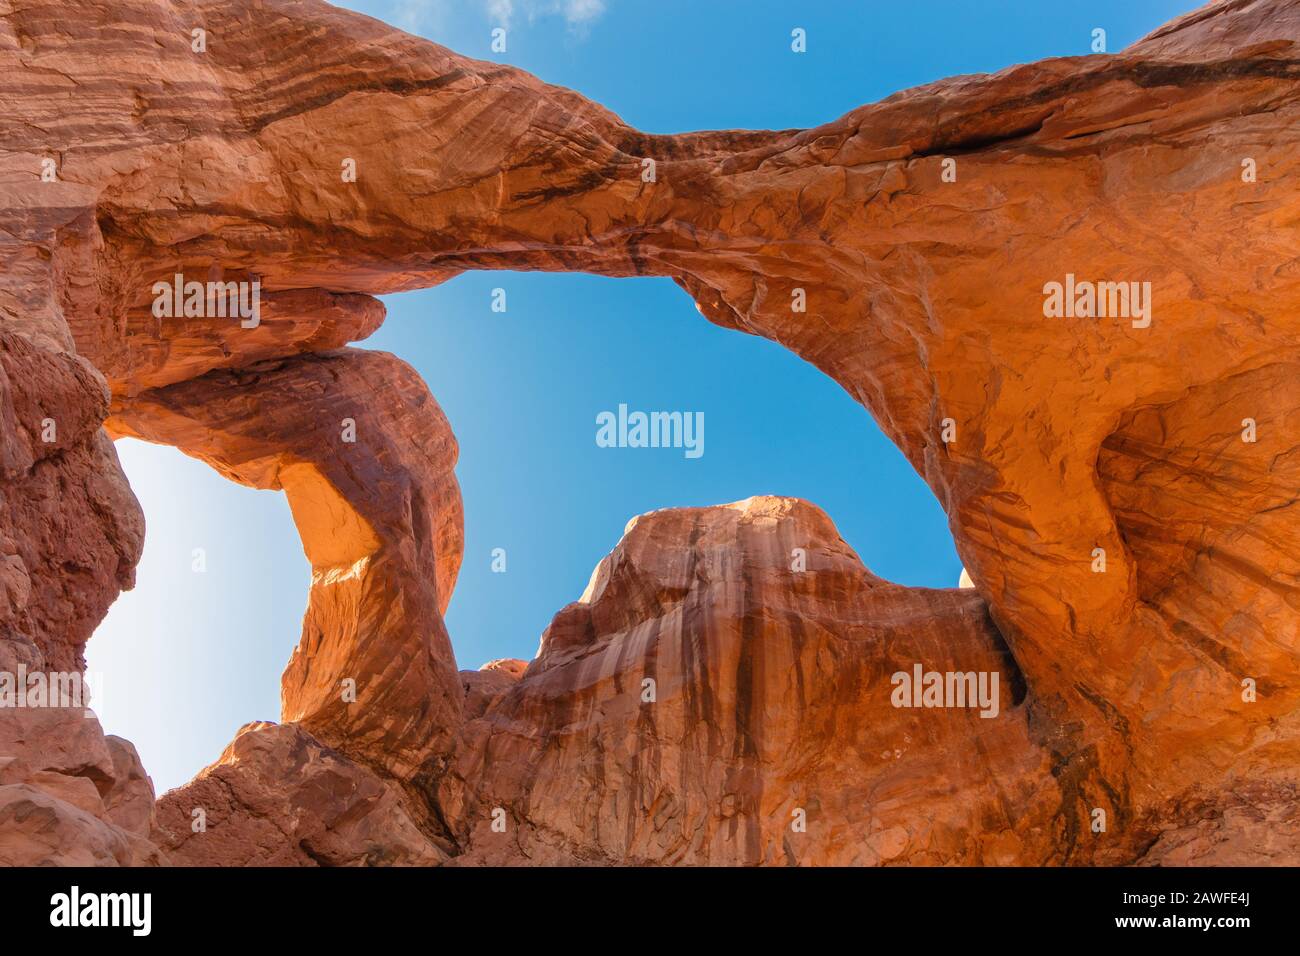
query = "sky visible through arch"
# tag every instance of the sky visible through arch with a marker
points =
(188, 657)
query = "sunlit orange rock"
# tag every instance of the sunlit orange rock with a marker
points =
(365, 458)
(722, 694)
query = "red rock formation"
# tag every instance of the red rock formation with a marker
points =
(278, 797)
(705, 703)
(365, 457)
(483, 686)
(70, 529)
(69, 795)
(925, 300)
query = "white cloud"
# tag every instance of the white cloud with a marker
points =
(416, 16)
(583, 11)
(578, 14)
(500, 12)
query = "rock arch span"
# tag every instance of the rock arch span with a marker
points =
(924, 301)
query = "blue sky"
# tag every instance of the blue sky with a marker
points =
(188, 657)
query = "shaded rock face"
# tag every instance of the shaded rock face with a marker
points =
(71, 532)
(278, 797)
(483, 686)
(705, 703)
(69, 794)
(1120, 488)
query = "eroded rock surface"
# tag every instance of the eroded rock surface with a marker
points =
(703, 698)
(1049, 440)
(486, 685)
(278, 797)
(71, 532)
(69, 794)
(365, 457)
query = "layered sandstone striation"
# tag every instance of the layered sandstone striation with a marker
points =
(1157, 687)
(365, 457)
(703, 701)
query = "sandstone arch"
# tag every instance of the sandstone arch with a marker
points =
(924, 302)
(381, 523)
